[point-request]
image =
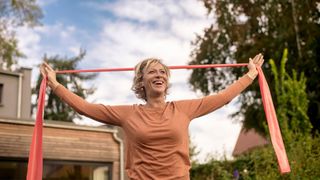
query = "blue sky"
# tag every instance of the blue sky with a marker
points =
(77, 13)
(120, 33)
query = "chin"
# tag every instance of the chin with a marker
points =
(160, 92)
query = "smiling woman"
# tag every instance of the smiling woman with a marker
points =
(156, 132)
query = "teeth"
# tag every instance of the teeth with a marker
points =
(158, 82)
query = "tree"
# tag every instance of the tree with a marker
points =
(15, 13)
(55, 108)
(244, 28)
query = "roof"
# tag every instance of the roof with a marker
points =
(59, 124)
(247, 140)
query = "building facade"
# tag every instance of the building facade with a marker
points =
(15, 93)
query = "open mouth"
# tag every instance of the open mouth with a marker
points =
(158, 82)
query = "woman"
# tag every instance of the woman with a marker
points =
(156, 132)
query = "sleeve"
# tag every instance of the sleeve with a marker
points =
(194, 108)
(102, 113)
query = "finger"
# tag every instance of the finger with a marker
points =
(251, 65)
(260, 57)
(256, 58)
(42, 70)
(42, 67)
(260, 62)
(47, 66)
(251, 61)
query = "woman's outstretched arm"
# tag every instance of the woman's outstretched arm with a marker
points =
(198, 107)
(99, 112)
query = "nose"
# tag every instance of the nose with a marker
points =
(159, 74)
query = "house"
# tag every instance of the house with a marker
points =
(248, 140)
(70, 151)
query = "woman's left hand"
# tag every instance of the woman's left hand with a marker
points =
(257, 61)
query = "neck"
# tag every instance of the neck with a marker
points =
(156, 102)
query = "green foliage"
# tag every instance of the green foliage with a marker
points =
(240, 29)
(292, 101)
(302, 155)
(303, 150)
(261, 164)
(56, 109)
(20, 12)
(212, 170)
(15, 13)
(8, 50)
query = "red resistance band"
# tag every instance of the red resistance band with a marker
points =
(35, 156)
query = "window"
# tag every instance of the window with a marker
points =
(60, 170)
(12, 170)
(57, 170)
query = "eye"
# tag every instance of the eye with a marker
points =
(163, 72)
(151, 72)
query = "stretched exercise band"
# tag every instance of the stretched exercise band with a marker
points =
(35, 155)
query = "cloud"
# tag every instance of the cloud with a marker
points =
(141, 11)
(145, 41)
(53, 39)
(215, 134)
(29, 44)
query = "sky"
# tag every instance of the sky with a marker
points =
(120, 33)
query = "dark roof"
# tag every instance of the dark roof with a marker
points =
(248, 140)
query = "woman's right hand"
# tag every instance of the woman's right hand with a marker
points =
(47, 71)
(253, 64)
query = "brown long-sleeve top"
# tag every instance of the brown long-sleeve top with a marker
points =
(157, 138)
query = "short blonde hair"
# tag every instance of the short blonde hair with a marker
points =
(137, 86)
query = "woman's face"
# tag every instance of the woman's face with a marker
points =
(155, 80)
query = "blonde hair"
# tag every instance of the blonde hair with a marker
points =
(137, 86)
